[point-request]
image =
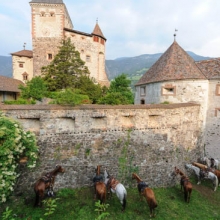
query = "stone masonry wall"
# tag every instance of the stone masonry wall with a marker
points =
(148, 139)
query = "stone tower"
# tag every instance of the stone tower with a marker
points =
(50, 24)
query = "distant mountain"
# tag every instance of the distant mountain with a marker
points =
(134, 67)
(137, 66)
(6, 66)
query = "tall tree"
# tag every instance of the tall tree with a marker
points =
(65, 69)
(119, 92)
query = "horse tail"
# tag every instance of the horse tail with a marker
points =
(124, 202)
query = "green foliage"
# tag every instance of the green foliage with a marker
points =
(119, 92)
(88, 87)
(70, 97)
(7, 214)
(14, 143)
(19, 101)
(165, 102)
(35, 89)
(51, 205)
(65, 69)
(113, 99)
(101, 209)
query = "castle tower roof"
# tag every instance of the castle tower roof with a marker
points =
(23, 53)
(48, 1)
(210, 68)
(97, 31)
(174, 64)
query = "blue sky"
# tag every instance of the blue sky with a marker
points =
(132, 27)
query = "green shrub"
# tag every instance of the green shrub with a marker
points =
(15, 143)
(20, 101)
(34, 89)
(70, 97)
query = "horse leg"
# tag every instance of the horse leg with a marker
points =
(37, 200)
(185, 194)
(199, 180)
(189, 194)
(95, 192)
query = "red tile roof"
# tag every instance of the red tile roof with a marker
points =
(97, 31)
(23, 53)
(174, 64)
(9, 85)
(211, 68)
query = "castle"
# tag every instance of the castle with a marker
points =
(51, 24)
(177, 78)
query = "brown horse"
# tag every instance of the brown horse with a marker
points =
(100, 187)
(185, 184)
(147, 192)
(46, 182)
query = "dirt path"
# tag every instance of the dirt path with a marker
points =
(207, 192)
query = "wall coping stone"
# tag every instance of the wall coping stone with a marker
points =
(93, 106)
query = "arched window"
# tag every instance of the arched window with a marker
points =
(42, 14)
(52, 14)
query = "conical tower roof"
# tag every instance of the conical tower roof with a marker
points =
(97, 31)
(174, 64)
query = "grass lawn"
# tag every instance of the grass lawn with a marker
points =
(78, 204)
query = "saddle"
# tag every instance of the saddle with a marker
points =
(204, 173)
(47, 178)
(142, 185)
(97, 179)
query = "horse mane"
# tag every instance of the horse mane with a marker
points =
(136, 177)
(98, 170)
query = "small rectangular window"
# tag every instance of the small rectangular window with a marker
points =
(49, 56)
(102, 41)
(88, 58)
(217, 112)
(168, 90)
(217, 90)
(143, 90)
(95, 39)
(21, 65)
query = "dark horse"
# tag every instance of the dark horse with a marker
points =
(100, 187)
(185, 184)
(46, 182)
(147, 192)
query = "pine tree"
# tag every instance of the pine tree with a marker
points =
(66, 68)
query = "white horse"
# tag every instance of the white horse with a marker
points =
(210, 175)
(116, 187)
(210, 162)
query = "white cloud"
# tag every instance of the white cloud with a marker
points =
(131, 27)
